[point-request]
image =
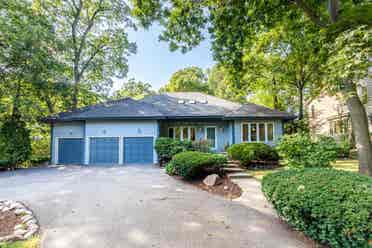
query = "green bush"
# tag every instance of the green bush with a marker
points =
(166, 148)
(169, 169)
(192, 164)
(246, 153)
(344, 148)
(15, 143)
(4, 164)
(330, 206)
(201, 146)
(299, 151)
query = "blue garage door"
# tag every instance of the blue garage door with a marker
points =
(104, 151)
(138, 150)
(70, 151)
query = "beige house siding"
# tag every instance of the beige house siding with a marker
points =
(328, 115)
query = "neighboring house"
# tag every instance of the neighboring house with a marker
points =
(124, 131)
(328, 115)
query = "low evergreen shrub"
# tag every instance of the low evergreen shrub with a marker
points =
(330, 206)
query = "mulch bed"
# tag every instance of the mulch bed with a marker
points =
(8, 220)
(225, 187)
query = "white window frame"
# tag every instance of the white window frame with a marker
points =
(181, 132)
(215, 134)
(258, 131)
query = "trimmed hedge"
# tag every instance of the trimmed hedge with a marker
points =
(191, 164)
(330, 206)
(248, 152)
(166, 148)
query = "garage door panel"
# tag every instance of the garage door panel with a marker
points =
(138, 150)
(104, 150)
(70, 151)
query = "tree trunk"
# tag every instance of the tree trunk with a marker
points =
(359, 123)
(275, 95)
(301, 103)
(76, 86)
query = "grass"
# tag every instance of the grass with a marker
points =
(344, 164)
(31, 243)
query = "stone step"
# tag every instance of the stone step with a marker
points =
(231, 166)
(232, 169)
(238, 175)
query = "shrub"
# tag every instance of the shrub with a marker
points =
(201, 146)
(344, 147)
(191, 164)
(330, 206)
(166, 148)
(246, 153)
(300, 151)
(15, 143)
(169, 169)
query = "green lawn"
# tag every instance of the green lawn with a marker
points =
(348, 165)
(32, 243)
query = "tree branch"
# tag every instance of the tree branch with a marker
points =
(310, 13)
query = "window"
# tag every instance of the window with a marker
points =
(245, 132)
(171, 132)
(258, 132)
(185, 133)
(210, 133)
(192, 134)
(253, 132)
(261, 131)
(177, 133)
(270, 132)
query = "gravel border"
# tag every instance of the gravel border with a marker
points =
(29, 226)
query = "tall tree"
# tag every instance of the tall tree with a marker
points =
(285, 58)
(232, 24)
(188, 79)
(95, 41)
(134, 89)
(221, 84)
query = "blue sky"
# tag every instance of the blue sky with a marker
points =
(155, 64)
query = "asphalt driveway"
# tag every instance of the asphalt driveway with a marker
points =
(137, 206)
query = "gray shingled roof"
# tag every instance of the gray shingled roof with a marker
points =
(171, 105)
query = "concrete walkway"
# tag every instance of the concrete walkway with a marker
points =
(140, 206)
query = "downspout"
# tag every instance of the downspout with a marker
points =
(233, 132)
(51, 144)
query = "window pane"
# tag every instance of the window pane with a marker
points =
(211, 136)
(253, 132)
(171, 132)
(270, 132)
(177, 133)
(192, 134)
(261, 132)
(245, 132)
(185, 133)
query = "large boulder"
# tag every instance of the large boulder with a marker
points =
(211, 180)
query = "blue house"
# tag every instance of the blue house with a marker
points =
(124, 131)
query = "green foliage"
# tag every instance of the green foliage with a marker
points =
(188, 79)
(201, 146)
(134, 89)
(297, 126)
(166, 148)
(344, 147)
(330, 206)
(15, 142)
(169, 169)
(191, 164)
(300, 151)
(246, 153)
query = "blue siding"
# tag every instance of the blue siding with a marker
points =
(104, 150)
(70, 151)
(138, 150)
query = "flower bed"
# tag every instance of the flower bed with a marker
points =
(17, 222)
